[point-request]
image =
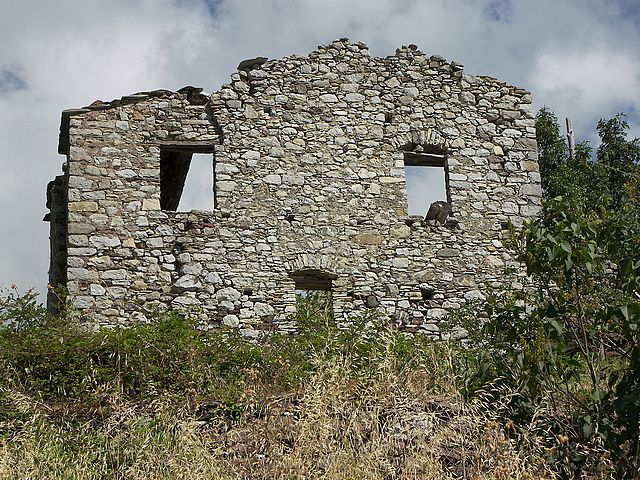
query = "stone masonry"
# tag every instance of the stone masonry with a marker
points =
(308, 159)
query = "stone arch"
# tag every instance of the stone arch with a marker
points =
(313, 272)
(427, 139)
(306, 261)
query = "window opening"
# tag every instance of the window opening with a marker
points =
(427, 180)
(313, 293)
(198, 186)
(187, 179)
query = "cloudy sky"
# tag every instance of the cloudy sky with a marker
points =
(578, 57)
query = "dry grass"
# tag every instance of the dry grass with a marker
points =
(392, 425)
(154, 442)
(165, 400)
(388, 428)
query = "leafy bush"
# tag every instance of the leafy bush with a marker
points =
(54, 358)
(561, 359)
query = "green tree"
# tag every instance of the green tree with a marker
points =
(568, 349)
(619, 157)
(553, 153)
(594, 183)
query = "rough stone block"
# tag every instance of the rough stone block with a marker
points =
(86, 206)
(150, 204)
(368, 239)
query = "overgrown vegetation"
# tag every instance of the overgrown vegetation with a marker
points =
(546, 385)
(165, 400)
(567, 350)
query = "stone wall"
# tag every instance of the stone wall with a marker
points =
(309, 155)
(57, 203)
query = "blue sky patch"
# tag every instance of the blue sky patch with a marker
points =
(213, 6)
(631, 10)
(10, 79)
(499, 10)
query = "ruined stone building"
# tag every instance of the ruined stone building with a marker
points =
(308, 158)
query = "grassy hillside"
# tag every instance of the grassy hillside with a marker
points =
(166, 400)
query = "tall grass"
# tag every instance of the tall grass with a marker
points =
(336, 425)
(165, 400)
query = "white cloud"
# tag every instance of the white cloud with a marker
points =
(198, 187)
(588, 84)
(425, 185)
(68, 53)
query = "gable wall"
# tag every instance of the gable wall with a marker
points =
(309, 174)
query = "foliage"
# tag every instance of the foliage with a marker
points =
(54, 358)
(567, 349)
(593, 183)
(619, 156)
(19, 310)
(166, 400)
